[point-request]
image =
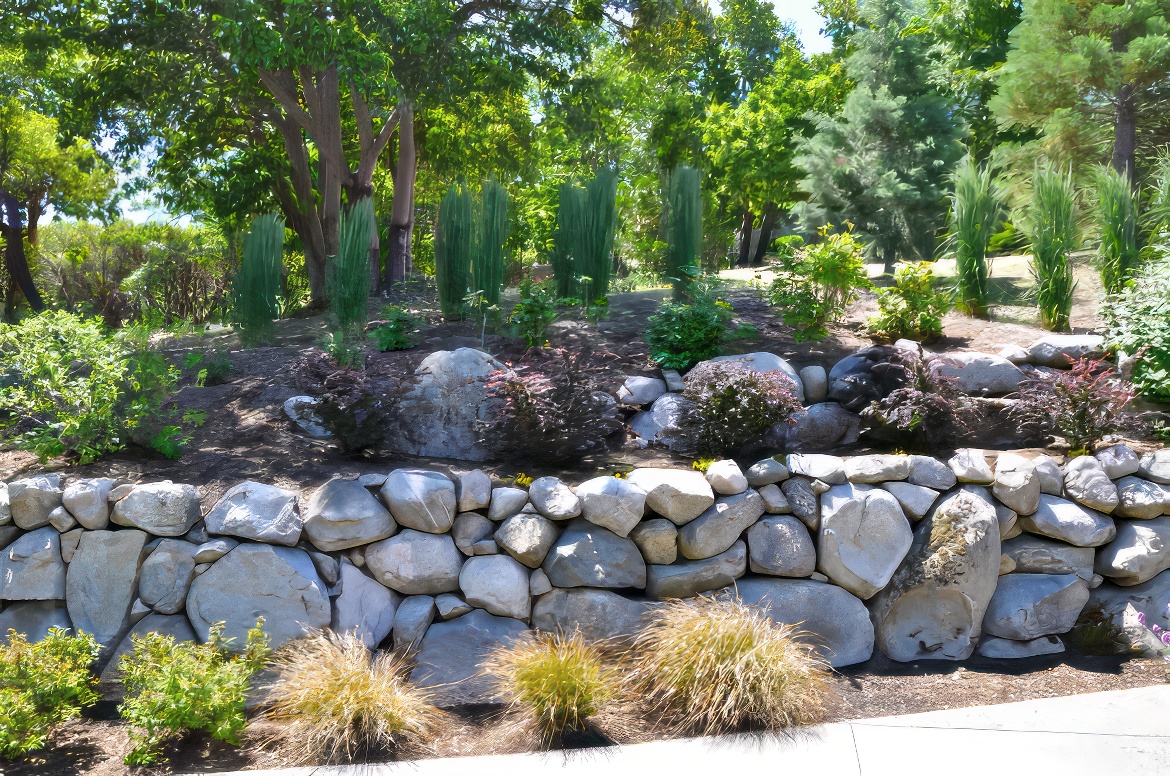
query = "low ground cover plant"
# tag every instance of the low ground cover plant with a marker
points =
(824, 280)
(734, 405)
(534, 313)
(357, 406)
(43, 684)
(173, 688)
(925, 412)
(398, 330)
(681, 335)
(911, 307)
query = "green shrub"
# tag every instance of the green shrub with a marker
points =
(256, 286)
(686, 229)
(533, 314)
(822, 284)
(787, 246)
(454, 244)
(487, 262)
(177, 687)
(400, 330)
(42, 685)
(681, 335)
(976, 210)
(215, 366)
(1052, 228)
(911, 307)
(734, 405)
(1139, 327)
(595, 261)
(348, 282)
(572, 203)
(1117, 215)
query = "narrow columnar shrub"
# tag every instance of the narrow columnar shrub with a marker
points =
(686, 229)
(43, 684)
(1117, 219)
(555, 683)
(173, 688)
(597, 234)
(454, 244)
(976, 212)
(717, 665)
(491, 234)
(735, 406)
(571, 209)
(1052, 228)
(911, 307)
(348, 282)
(256, 286)
(334, 699)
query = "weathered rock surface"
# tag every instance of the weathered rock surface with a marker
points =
(1051, 477)
(1069, 522)
(876, 469)
(1060, 350)
(726, 478)
(342, 514)
(33, 499)
(863, 537)
(254, 510)
(473, 491)
(1028, 606)
(416, 563)
(663, 423)
(915, 500)
(1118, 461)
(1005, 649)
(930, 473)
(450, 658)
(31, 568)
(775, 502)
(689, 578)
(979, 374)
(1016, 483)
(781, 546)
(364, 607)
(816, 383)
(718, 528)
(159, 508)
(414, 615)
(213, 550)
(639, 391)
(1008, 519)
(679, 495)
(88, 501)
(587, 555)
(449, 606)
(1155, 467)
(1139, 499)
(769, 471)
(1036, 555)
(166, 576)
(597, 614)
(802, 499)
(826, 468)
(1140, 552)
(1085, 481)
(969, 465)
(507, 502)
(657, 539)
(527, 538)
(302, 410)
(554, 499)
(823, 426)
(102, 580)
(612, 503)
(469, 530)
(33, 619)
(498, 584)
(420, 499)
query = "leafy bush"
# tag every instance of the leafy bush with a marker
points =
(926, 412)
(787, 246)
(399, 330)
(554, 682)
(975, 212)
(335, 699)
(1139, 327)
(822, 284)
(717, 665)
(176, 687)
(911, 307)
(1052, 228)
(214, 367)
(533, 314)
(1117, 218)
(42, 685)
(256, 286)
(357, 406)
(734, 405)
(1082, 404)
(681, 335)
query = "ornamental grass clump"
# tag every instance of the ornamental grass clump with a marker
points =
(686, 230)
(454, 245)
(554, 683)
(335, 700)
(43, 684)
(717, 665)
(1052, 227)
(1117, 218)
(735, 406)
(976, 211)
(256, 286)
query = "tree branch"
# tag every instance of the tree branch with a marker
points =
(282, 87)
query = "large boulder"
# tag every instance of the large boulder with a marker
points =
(31, 568)
(863, 537)
(420, 499)
(859, 379)
(33, 619)
(663, 423)
(587, 555)
(822, 426)
(689, 578)
(970, 465)
(679, 495)
(827, 615)
(450, 659)
(253, 581)
(780, 546)
(1151, 598)
(930, 472)
(527, 538)
(443, 411)
(416, 563)
(767, 362)
(498, 584)
(933, 607)
(657, 539)
(1006, 649)
(1060, 519)
(597, 614)
(1028, 606)
(612, 503)
(915, 500)
(769, 471)
(103, 580)
(342, 514)
(33, 499)
(1060, 350)
(507, 502)
(1155, 467)
(554, 499)
(166, 576)
(826, 468)
(1118, 461)
(876, 469)
(1140, 552)
(364, 608)
(159, 508)
(978, 374)
(720, 526)
(88, 502)
(1140, 499)
(1016, 483)
(256, 511)
(1086, 482)
(1037, 555)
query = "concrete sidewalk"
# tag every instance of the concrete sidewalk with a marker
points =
(1126, 732)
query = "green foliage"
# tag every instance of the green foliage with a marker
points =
(400, 330)
(686, 229)
(176, 687)
(570, 231)
(735, 406)
(42, 685)
(487, 262)
(348, 282)
(787, 246)
(594, 260)
(454, 245)
(911, 307)
(681, 335)
(214, 367)
(533, 314)
(822, 283)
(976, 210)
(256, 286)
(1117, 219)
(1139, 327)
(1052, 228)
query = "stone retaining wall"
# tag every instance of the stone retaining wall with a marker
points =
(917, 557)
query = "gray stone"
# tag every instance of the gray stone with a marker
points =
(498, 584)
(823, 426)
(450, 606)
(1069, 522)
(726, 478)
(159, 508)
(507, 502)
(1051, 478)
(252, 581)
(374, 480)
(342, 514)
(978, 374)
(863, 537)
(781, 546)
(198, 534)
(826, 468)
(5, 505)
(674, 381)
(538, 583)
(416, 563)
(1085, 481)
(679, 495)
(657, 539)
(69, 542)
(469, 528)
(663, 423)
(816, 383)
(414, 616)
(830, 617)
(33, 499)
(60, 519)
(640, 391)
(174, 625)
(554, 499)
(1006, 649)
(933, 606)
(587, 555)
(1108, 604)
(720, 526)
(302, 410)
(473, 491)
(119, 492)
(876, 469)
(1035, 555)
(9, 534)
(1155, 467)
(1014, 353)
(420, 499)
(970, 465)
(1006, 565)
(1016, 483)
(915, 500)
(930, 473)
(166, 576)
(364, 607)
(88, 501)
(775, 502)
(1028, 606)
(768, 362)
(612, 503)
(597, 614)
(450, 660)
(802, 499)
(213, 550)
(31, 568)
(1139, 499)
(33, 619)
(328, 568)
(254, 510)
(102, 580)
(527, 538)
(689, 578)
(1118, 461)
(1008, 519)
(1060, 350)
(766, 472)
(1140, 552)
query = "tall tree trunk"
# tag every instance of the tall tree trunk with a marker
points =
(34, 218)
(15, 261)
(767, 224)
(362, 182)
(399, 262)
(745, 238)
(1125, 133)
